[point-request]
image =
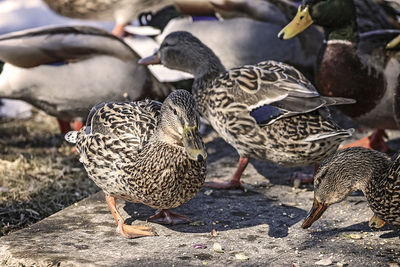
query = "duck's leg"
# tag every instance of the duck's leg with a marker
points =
(119, 29)
(376, 222)
(128, 231)
(78, 124)
(168, 217)
(235, 182)
(375, 141)
(304, 178)
(65, 127)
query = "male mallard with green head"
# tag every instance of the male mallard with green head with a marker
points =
(358, 168)
(354, 67)
(268, 111)
(144, 152)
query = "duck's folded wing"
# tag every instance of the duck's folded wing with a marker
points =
(271, 90)
(45, 45)
(130, 122)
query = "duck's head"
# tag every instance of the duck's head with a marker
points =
(179, 124)
(341, 174)
(330, 14)
(182, 51)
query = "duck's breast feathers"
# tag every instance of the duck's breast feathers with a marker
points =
(131, 122)
(45, 45)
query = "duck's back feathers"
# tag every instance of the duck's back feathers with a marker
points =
(34, 47)
(131, 122)
(272, 90)
(271, 79)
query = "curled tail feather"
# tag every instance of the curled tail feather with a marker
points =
(71, 136)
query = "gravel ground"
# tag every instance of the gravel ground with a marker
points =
(261, 223)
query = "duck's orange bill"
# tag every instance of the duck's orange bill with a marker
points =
(299, 23)
(315, 213)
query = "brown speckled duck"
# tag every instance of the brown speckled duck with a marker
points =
(121, 11)
(358, 168)
(144, 152)
(354, 66)
(269, 111)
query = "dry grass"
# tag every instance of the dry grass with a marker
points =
(38, 173)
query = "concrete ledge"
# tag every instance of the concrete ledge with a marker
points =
(263, 223)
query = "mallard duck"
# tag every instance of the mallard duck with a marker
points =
(121, 11)
(66, 70)
(269, 111)
(144, 152)
(354, 67)
(358, 168)
(241, 39)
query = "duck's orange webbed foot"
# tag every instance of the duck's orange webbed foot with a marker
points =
(375, 141)
(134, 231)
(128, 231)
(299, 178)
(168, 217)
(235, 182)
(119, 30)
(376, 222)
(218, 184)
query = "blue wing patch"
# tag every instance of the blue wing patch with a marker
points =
(265, 114)
(88, 129)
(57, 64)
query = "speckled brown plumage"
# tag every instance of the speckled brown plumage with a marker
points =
(121, 10)
(364, 169)
(269, 111)
(295, 128)
(133, 150)
(300, 135)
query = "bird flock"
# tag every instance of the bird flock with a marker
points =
(257, 81)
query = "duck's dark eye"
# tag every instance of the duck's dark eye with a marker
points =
(174, 111)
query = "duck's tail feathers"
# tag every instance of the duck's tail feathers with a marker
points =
(71, 136)
(333, 101)
(343, 133)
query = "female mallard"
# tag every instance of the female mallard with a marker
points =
(121, 11)
(361, 69)
(144, 152)
(358, 168)
(67, 70)
(269, 111)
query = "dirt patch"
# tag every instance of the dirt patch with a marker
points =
(39, 175)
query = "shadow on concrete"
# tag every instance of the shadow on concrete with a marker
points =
(228, 210)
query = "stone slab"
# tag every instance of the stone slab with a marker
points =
(262, 222)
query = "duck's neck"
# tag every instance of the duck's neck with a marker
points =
(339, 19)
(208, 71)
(347, 33)
(203, 79)
(376, 185)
